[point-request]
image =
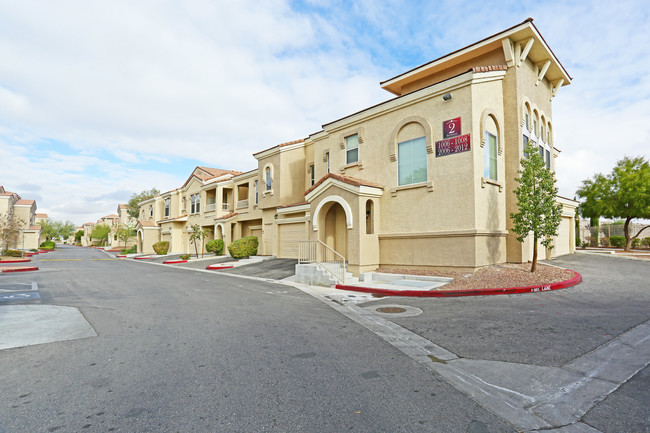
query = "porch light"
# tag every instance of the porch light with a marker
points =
(446, 97)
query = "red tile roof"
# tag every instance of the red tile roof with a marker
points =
(41, 215)
(346, 179)
(211, 174)
(489, 68)
(113, 216)
(227, 216)
(35, 227)
(144, 223)
(122, 206)
(288, 143)
(25, 202)
(300, 203)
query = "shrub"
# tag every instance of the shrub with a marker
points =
(12, 253)
(646, 242)
(604, 242)
(185, 257)
(131, 250)
(161, 247)
(34, 250)
(244, 247)
(617, 241)
(215, 246)
(47, 245)
(636, 243)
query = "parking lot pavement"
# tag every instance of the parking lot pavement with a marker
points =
(275, 269)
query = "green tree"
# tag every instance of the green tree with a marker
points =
(100, 232)
(539, 213)
(624, 193)
(124, 233)
(66, 229)
(133, 208)
(49, 229)
(78, 235)
(10, 231)
(196, 236)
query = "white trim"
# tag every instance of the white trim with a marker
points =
(292, 220)
(294, 209)
(277, 149)
(336, 199)
(362, 191)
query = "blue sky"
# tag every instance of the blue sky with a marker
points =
(99, 100)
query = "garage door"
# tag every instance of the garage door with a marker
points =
(563, 241)
(290, 235)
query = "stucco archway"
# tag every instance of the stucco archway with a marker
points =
(325, 205)
(139, 240)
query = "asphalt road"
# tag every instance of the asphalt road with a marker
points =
(180, 350)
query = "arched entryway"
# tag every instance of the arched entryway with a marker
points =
(139, 241)
(218, 231)
(334, 228)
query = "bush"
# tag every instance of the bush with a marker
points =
(604, 242)
(47, 245)
(244, 247)
(12, 253)
(215, 246)
(617, 241)
(34, 250)
(636, 243)
(185, 256)
(161, 247)
(131, 250)
(646, 242)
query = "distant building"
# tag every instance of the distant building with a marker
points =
(24, 212)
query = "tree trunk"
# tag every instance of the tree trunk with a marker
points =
(626, 230)
(534, 265)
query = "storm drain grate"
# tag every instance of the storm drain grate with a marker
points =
(391, 310)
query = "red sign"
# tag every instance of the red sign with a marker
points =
(451, 128)
(453, 145)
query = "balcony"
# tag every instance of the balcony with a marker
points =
(210, 207)
(242, 204)
(226, 207)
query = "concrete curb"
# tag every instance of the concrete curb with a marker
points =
(577, 278)
(171, 262)
(21, 269)
(16, 261)
(217, 267)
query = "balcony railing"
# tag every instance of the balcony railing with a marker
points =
(242, 204)
(210, 207)
(225, 206)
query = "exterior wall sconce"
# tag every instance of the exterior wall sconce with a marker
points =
(446, 97)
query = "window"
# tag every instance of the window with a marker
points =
(327, 159)
(535, 127)
(352, 149)
(257, 191)
(526, 122)
(490, 157)
(525, 141)
(166, 207)
(548, 159)
(312, 175)
(412, 161)
(198, 203)
(541, 152)
(267, 173)
(192, 203)
(543, 135)
(151, 211)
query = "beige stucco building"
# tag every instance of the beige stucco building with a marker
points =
(24, 212)
(422, 180)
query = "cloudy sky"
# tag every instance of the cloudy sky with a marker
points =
(102, 99)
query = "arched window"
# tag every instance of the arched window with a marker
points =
(411, 154)
(268, 179)
(370, 229)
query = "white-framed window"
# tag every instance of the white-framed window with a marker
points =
(412, 161)
(167, 200)
(548, 159)
(269, 181)
(198, 203)
(490, 156)
(541, 151)
(312, 175)
(352, 149)
(527, 121)
(525, 141)
(151, 211)
(192, 203)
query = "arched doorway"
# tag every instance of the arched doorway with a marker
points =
(139, 241)
(218, 231)
(334, 228)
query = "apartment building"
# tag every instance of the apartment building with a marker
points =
(24, 212)
(422, 180)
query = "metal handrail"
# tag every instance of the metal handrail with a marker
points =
(323, 256)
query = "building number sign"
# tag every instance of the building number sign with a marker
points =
(451, 128)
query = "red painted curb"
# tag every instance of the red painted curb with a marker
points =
(16, 261)
(32, 268)
(113, 251)
(471, 292)
(169, 262)
(217, 267)
(120, 255)
(142, 258)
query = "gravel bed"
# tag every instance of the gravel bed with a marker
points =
(495, 276)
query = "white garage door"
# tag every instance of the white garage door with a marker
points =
(290, 235)
(563, 241)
